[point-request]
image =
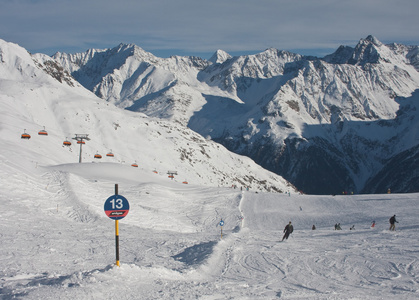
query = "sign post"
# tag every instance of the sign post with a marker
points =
(116, 207)
(221, 224)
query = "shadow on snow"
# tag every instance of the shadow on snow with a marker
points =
(195, 254)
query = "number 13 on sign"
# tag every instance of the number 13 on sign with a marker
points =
(116, 207)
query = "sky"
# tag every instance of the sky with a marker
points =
(201, 27)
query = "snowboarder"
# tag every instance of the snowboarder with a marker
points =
(392, 223)
(288, 230)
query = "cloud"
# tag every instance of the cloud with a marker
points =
(198, 26)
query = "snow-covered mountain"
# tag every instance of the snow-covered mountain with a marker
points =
(327, 125)
(58, 243)
(37, 93)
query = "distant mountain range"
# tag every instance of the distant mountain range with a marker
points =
(347, 122)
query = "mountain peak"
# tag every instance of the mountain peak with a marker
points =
(373, 40)
(340, 56)
(219, 57)
(366, 51)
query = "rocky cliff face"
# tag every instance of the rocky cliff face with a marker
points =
(327, 125)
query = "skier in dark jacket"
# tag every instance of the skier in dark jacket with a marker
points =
(288, 230)
(392, 223)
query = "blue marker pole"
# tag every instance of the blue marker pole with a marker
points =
(221, 224)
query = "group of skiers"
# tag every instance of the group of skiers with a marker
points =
(337, 227)
(289, 228)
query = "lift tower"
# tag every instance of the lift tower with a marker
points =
(80, 140)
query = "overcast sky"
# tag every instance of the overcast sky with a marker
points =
(200, 27)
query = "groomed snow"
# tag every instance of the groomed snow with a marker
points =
(57, 242)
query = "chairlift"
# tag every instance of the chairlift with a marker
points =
(134, 165)
(81, 142)
(110, 154)
(25, 135)
(97, 155)
(66, 142)
(185, 182)
(43, 132)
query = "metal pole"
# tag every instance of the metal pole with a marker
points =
(117, 241)
(81, 144)
(117, 233)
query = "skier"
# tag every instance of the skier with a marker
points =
(288, 230)
(392, 223)
(352, 228)
(373, 224)
(314, 227)
(337, 226)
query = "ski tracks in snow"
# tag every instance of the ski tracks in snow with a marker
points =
(304, 267)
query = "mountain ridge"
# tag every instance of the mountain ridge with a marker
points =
(263, 101)
(35, 98)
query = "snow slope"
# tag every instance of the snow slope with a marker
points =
(57, 242)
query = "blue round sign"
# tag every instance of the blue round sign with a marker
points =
(116, 207)
(221, 223)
